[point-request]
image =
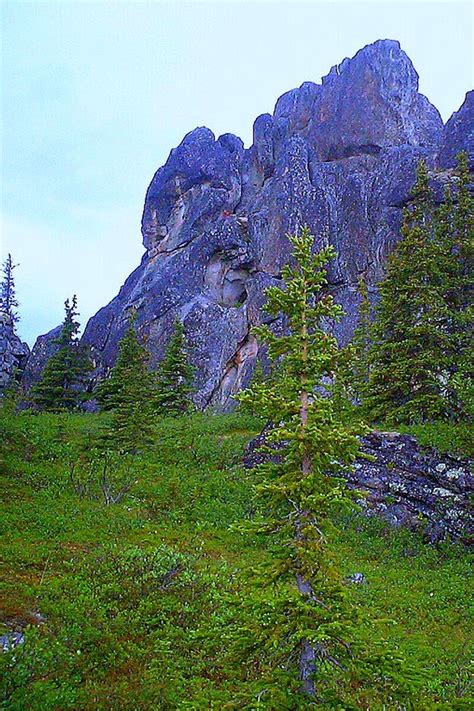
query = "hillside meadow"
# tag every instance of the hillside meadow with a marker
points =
(133, 605)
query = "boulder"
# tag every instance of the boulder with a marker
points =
(405, 484)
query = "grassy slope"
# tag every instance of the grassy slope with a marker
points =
(121, 631)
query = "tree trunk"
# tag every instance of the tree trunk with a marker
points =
(307, 668)
(307, 660)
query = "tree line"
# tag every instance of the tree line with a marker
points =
(131, 392)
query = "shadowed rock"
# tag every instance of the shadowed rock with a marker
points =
(42, 350)
(13, 352)
(458, 135)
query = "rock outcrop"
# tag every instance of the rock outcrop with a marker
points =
(406, 485)
(42, 350)
(339, 156)
(416, 487)
(13, 352)
(459, 135)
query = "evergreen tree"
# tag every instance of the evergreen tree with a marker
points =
(462, 384)
(11, 395)
(129, 372)
(302, 618)
(61, 384)
(456, 233)
(131, 426)
(174, 376)
(258, 376)
(464, 235)
(359, 356)
(128, 393)
(8, 300)
(411, 350)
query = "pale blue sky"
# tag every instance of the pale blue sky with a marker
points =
(95, 94)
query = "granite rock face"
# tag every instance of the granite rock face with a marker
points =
(339, 156)
(13, 352)
(459, 135)
(406, 485)
(42, 350)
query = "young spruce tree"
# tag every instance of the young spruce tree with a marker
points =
(8, 300)
(174, 376)
(410, 351)
(61, 385)
(302, 618)
(128, 393)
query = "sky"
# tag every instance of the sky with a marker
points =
(96, 94)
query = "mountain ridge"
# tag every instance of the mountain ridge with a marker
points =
(339, 156)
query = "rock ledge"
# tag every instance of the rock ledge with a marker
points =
(407, 485)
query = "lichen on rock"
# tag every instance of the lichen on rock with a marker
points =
(404, 484)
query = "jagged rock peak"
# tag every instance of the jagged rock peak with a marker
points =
(458, 134)
(381, 55)
(200, 165)
(364, 104)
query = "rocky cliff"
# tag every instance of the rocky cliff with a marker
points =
(43, 349)
(339, 156)
(13, 352)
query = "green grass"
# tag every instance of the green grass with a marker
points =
(138, 599)
(452, 438)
